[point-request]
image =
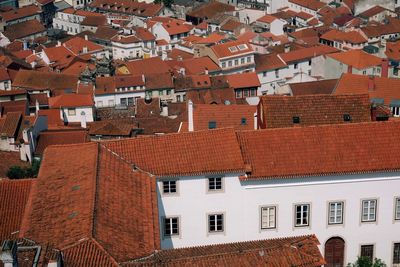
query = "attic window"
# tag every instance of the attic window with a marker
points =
(242, 47)
(212, 124)
(243, 121)
(233, 49)
(296, 119)
(346, 117)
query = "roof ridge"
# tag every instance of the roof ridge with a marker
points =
(95, 192)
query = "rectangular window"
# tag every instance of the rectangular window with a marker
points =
(169, 187)
(268, 217)
(264, 74)
(168, 92)
(223, 64)
(130, 101)
(302, 215)
(215, 183)
(309, 62)
(248, 59)
(295, 65)
(397, 209)
(124, 101)
(336, 212)
(229, 63)
(242, 60)
(71, 112)
(246, 92)
(215, 223)
(160, 92)
(369, 210)
(178, 98)
(100, 104)
(111, 102)
(236, 62)
(238, 93)
(367, 251)
(396, 253)
(277, 73)
(212, 124)
(171, 226)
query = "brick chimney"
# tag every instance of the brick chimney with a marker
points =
(385, 68)
(371, 83)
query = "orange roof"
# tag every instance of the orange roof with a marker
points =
(376, 87)
(310, 4)
(268, 62)
(63, 137)
(147, 66)
(77, 45)
(99, 198)
(13, 199)
(212, 38)
(71, 100)
(232, 48)
(174, 27)
(231, 25)
(37, 80)
(357, 59)
(335, 149)
(53, 116)
(201, 152)
(306, 53)
(24, 29)
(243, 80)
(11, 124)
(239, 117)
(267, 19)
(4, 76)
(20, 13)
(372, 12)
(353, 37)
(393, 50)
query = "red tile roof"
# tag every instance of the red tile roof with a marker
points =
(268, 62)
(310, 4)
(24, 29)
(376, 87)
(306, 53)
(393, 50)
(352, 37)
(193, 66)
(225, 116)
(77, 45)
(152, 65)
(13, 199)
(214, 151)
(60, 137)
(321, 150)
(290, 251)
(357, 59)
(223, 50)
(37, 80)
(97, 204)
(53, 116)
(267, 19)
(9, 159)
(372, 12)
(324, 87)
(209, 10)
(11, 124)
(243, 80)
(4, 74)
(278, 111)
(112, 128)
(20, 13)
(71, 100)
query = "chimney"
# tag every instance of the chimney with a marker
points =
(143, 78)
(83, 120)
(190, 116)
(86, 37)
(58, 43)
(85, 49)
(182, 71)
(206, 71)
(350, 69)
(164, 55)
(8, 253)
(371, 83)
(385, 68)
(37, 106)
(164, 110)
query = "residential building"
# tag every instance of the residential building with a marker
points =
(27, 30)
(271, 71)
(74, 108)
(75, 21)
(271, 24)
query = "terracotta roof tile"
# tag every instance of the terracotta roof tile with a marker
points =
(267, 18)
(278, 111)
(209, 10)
(321, 150)
(10, 159)
(112, 128)
(310, 4)
(60, 137)
(13, 199)
(24, 29)
(214, 151)
(239, 117)
(353, 37)
(313, 88)
(290, 251)
(243, 80)
(11, 124)
(20, 13)
(77, 45)
(71, 100)
(231, 49)
(357, 59)
(37, 80)
(372, 12)
(4, 76)
(152, 65)
(268, 62)
(393, 50)
(306, 53)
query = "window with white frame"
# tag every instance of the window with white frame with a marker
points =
(71, 112)
(215, 183)
(369, 210)
(169, 187)
(268, 217)
(396, 253)
(302, 215)
(397, 209)
(336, 212)
(215, 223)
(171, 226)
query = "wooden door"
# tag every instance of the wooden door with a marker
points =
(334, 252)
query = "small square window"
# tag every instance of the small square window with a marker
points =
(215, 183)
(169, 187)
(368, 213)
(346, 117)
(212, 124)
(243, 121)
(71, 112)
(296, 119)
(302, 215)
(268, 217)
(171, 226)
(367, 251)
(215, 223)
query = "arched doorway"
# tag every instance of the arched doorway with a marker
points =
(334, 252)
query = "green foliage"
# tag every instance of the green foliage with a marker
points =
(367, 262)
(17, 172)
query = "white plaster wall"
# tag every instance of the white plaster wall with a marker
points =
(77, 117)
(116, 98)
(241, 202)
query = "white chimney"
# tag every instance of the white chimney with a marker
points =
(85, 49)
(37, 106)
(83, 119)
(86, 37)
(164, 55)
(255, 121)
(8, 253)
(164, 110)
(190, 116)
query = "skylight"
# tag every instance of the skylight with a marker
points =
(242, 47)
(233, 49)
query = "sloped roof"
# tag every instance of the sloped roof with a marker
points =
(38, 80)
(239, 117)
(267, 18)
(11, 124)
(60, 137)
(353, 37)
(265, 62)
(23, 29)
(209, 10)
(77, 44)
(152, 65)
(95, 203)
(291, 251)
(214, 151)
(20, 13)
(278, 111)
(336, 149)
(111, 128)
(357, 59)
(310, 4)
(314, 87)
(385, 88)
(306, 53)
(372, 11)
(393, 50)
(13, 199)
(71, 100)
(243, 80)
(225, 49)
